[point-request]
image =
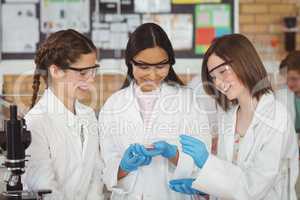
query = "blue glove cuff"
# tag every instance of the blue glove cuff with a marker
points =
(125, 167)
(202, 161)
(172, 150)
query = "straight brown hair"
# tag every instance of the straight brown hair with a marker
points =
(245, 63)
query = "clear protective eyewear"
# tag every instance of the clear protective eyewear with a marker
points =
(220, 70)
(145, 66)
(87, 71)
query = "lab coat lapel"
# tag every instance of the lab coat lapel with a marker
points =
(247, 144)
(86, 122)
(134, 115)
(157, 116)
(229, 132)
(291, 105)
(66, 122)
(57, 110)
(157, 109)
(260, 115)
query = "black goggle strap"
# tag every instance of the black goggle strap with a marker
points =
(83, 69)
(220, 65)
(150, 64)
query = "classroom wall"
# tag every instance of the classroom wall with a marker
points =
(260, 20)
(103, 87)
(17, 86)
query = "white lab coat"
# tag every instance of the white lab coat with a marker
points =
(121, 124)
(287, 98)
(268, 157)
(60, 160)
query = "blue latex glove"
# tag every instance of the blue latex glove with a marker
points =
(184, 186)
(165, 149)
(132, 159)
(195, 148)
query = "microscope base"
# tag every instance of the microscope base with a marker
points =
(23, 195)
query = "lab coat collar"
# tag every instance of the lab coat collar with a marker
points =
(263, 114)
(58, 111)
(165, 90)
(137, 90)
(260, 114)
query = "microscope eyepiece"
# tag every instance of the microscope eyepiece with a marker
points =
(13, 112)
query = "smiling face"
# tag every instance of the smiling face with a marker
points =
(82, 81)
(224, 78)
(75, 84)
(150, 68)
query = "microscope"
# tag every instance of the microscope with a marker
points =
(14, 140)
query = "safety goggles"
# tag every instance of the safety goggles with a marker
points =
(145, 66)
(220, 70)
(87, 71)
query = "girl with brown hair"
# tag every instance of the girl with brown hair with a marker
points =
(64, 153)
(257, 150)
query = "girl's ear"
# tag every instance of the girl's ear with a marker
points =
(56, 72)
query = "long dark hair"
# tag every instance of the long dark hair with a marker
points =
(61, 48)
(149, 35)
(245, 63)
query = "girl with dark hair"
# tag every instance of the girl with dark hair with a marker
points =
(257, 150)
(140, 124)
(64, 152)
